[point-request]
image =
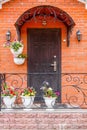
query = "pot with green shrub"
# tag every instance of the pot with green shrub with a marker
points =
(8, 95)
(49, 95)
(20, 59)
(16, 47)
(28, 95)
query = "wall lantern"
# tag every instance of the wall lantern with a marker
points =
(79, 35)
(44, 22)
(8, 35)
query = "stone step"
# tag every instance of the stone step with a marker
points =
(43, 121)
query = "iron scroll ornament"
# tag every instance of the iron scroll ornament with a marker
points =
(48, 13)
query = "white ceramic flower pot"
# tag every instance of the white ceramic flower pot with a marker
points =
(9, 101)
(27, 101)
(50, 101)
(19, 61)
(19, 51)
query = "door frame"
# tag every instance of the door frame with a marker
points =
(28, 54)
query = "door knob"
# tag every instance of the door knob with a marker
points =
(54, 64)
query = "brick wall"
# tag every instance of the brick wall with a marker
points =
(74, 58)
(43, 120)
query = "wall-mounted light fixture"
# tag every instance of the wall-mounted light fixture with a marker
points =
(44, 22)
(79, 35)
(8, 35)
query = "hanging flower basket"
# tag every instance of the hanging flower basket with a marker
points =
(16, 53)
(16, 48)
(19, 61)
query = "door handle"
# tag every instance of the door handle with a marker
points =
(54, 66)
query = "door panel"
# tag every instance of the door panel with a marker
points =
(44, 58)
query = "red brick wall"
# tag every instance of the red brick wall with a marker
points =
(74, 58)
(43, 120)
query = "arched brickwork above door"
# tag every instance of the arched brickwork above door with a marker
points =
(45, 14)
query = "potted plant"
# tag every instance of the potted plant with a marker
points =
(20, 59)
(28, 95)
(8, 95)
(16, 47)
(49, 96)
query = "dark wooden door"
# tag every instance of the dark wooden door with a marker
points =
(44, 56)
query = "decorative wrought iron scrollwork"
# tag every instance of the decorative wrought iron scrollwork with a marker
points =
(47, 14)
(74, 91)
(15, 80)
(74, 87)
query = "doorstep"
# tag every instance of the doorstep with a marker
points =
(43, 111)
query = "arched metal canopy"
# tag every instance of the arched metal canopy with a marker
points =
(45, 13)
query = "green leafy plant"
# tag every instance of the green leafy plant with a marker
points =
(50, 93)
(22, 56)
(16, 45)
(28, 92)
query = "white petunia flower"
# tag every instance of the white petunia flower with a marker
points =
(50, 89)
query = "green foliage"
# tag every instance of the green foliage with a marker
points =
(22, 56)
(16, 45)
(49, 93)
